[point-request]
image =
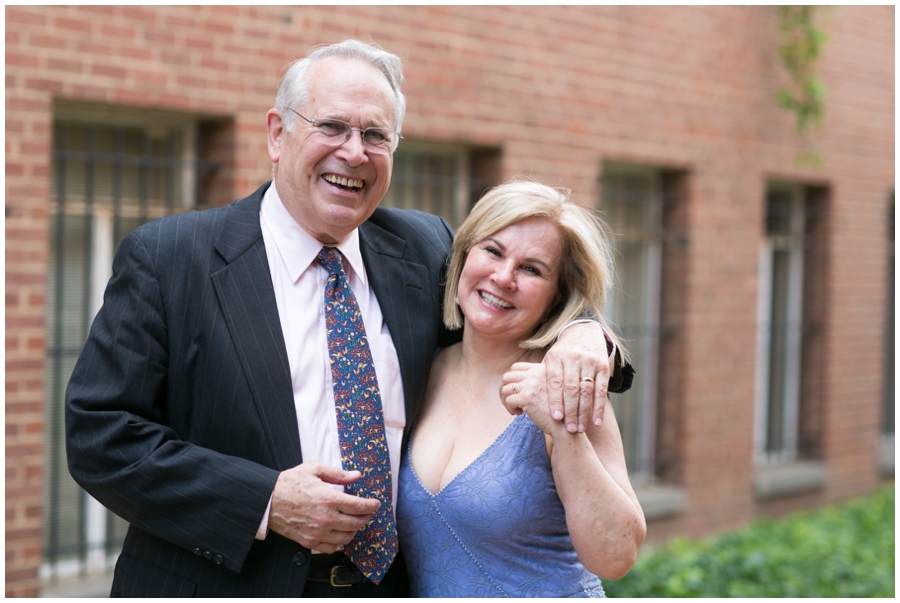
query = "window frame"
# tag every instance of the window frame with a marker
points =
(794, 244)
(646, 385)
(94, 550)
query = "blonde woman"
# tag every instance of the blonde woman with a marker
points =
(501, 500)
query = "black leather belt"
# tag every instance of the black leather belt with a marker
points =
(338, 575)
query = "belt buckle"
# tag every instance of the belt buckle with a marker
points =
(335, 569)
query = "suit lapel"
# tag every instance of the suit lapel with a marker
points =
(399, 286)
(244, 290)
(245, 294)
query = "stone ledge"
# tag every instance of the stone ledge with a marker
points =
(779, 481)
(661, 501)
(887, 458)
(80, 587)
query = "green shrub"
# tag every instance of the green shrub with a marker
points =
(845, 550)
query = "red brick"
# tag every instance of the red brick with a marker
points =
(69, 66)
(139, 15)
(114, 30)
(49, 41)
(76, 25)
(15, 60)
(108, 71)
(136, 54)
(19, 16)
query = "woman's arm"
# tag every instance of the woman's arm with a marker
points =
(603, 515)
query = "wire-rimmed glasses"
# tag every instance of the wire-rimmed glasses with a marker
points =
(337, 132)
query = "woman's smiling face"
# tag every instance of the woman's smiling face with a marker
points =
(510, 280)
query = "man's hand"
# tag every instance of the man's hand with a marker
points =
(578, 370)
(306, 509)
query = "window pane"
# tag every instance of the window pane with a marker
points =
(65, 319)
(106, 181)
(632, 204)
(428, 181)
(889, 409)
(630, 316)
(778, 213)
(778, 353)
(778, 422)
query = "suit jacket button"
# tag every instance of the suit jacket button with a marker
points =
(197, 551)
(207, 555)
(218, 560)
(300, 558)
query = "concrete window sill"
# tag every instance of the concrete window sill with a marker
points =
(887, 457)
(94, 586)
(661, 501)
(780, 481)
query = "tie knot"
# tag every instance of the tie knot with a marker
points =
(330, 258)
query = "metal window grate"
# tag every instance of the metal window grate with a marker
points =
(781, 325)
(106, 180)
(889, 382)
(435, 181)
(633, 201)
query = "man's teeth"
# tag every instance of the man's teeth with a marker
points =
(495, 301)
(348, 182)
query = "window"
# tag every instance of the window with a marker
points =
(888, 422)
(780, 320)
(110, 175)
(444, 180)
(888, 417)
(633, 207)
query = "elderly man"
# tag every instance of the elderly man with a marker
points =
(242, 396)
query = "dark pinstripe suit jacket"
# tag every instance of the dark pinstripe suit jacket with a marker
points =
(180, 412)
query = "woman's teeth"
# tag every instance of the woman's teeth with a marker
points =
(494, 301)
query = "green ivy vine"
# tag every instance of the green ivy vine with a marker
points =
(801, 44)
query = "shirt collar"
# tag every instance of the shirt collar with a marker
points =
(297, 247)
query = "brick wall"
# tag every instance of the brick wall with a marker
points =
(28, 130)
(559, 91)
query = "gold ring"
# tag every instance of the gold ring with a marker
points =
(588, 379)
(514, 389)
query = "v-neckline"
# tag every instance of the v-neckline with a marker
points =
(483, 453)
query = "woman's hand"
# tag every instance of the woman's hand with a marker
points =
(524, 389)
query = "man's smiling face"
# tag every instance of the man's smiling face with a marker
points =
(329, 189)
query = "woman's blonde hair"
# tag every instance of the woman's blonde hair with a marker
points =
(586, 267)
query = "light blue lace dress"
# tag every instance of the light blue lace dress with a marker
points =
(498, 529)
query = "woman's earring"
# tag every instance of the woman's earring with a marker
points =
(456, 299)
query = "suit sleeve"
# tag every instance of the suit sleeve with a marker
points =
(120, 446)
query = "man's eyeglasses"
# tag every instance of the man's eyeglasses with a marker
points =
(337, 132)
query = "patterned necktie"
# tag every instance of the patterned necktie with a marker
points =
(360, 419)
